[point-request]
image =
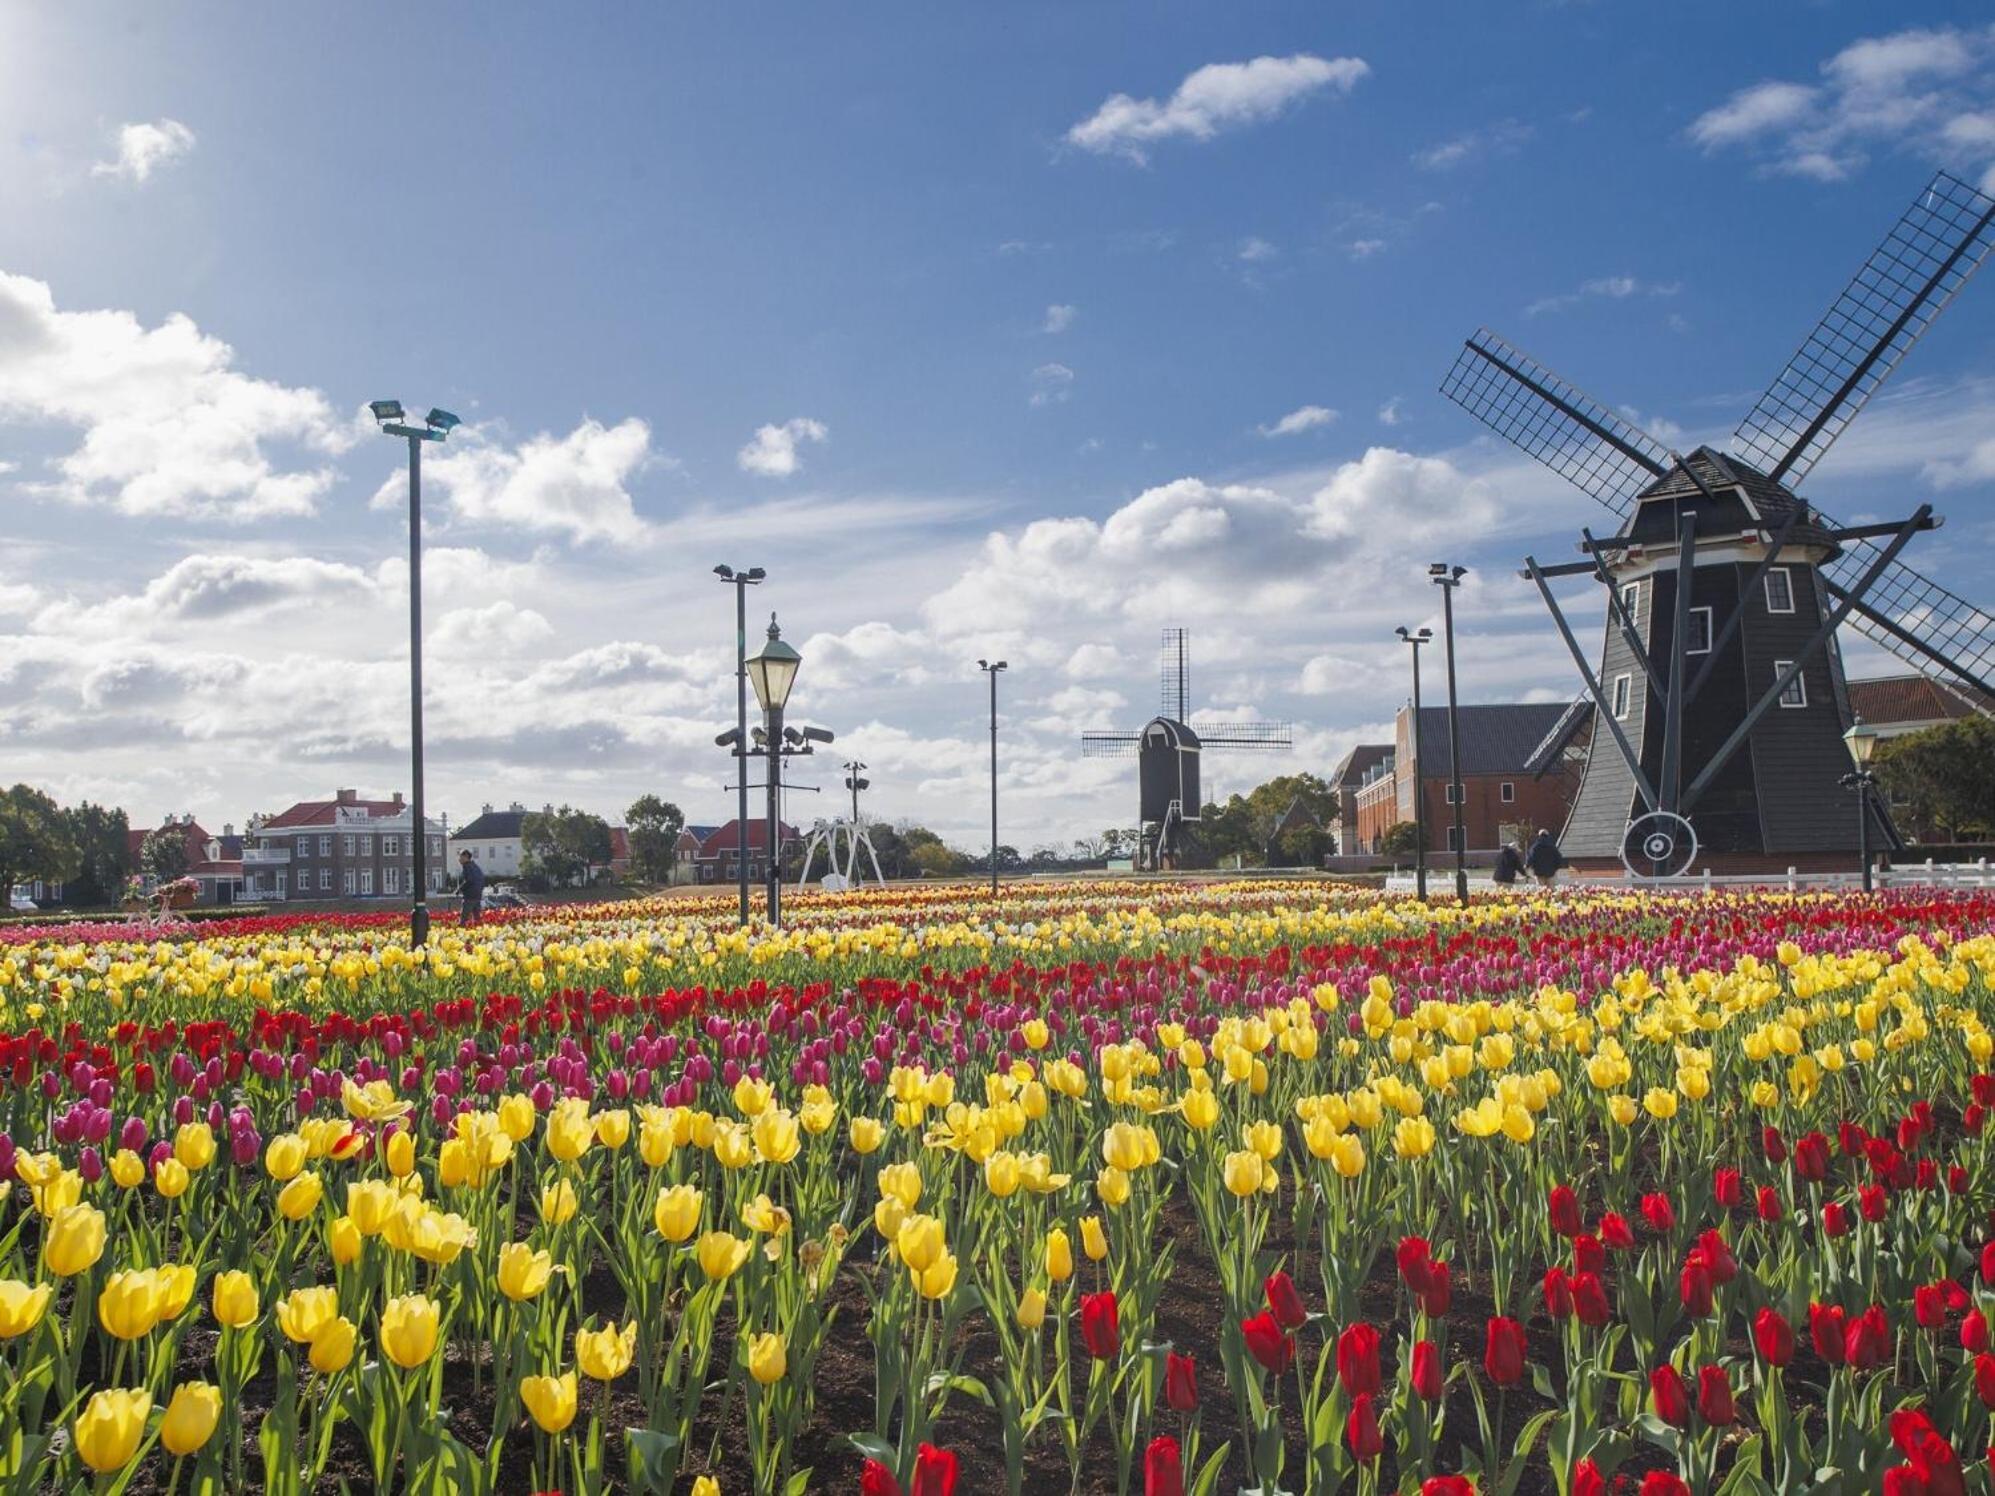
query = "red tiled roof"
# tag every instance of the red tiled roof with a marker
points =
(723, 841)
(321, 812)
(1890, 699)
(196, 841)
(619, 844)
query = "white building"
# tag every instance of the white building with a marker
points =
(493, 840)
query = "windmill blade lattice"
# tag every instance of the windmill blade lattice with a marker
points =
(1265, 737)
(1555, 421)
(1110, 744)
(1946, 623)
(1907, 281)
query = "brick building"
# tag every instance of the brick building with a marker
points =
(214, 862)
(1503, 747)
(718, 859)
(342, 848)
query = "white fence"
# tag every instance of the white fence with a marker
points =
(1929, 873)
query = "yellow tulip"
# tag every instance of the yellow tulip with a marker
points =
(1122, 1147)
(283, 1156)
(233, 1298)
(170, 1178)
(776, 1136)
(109, 1428)
(22, 1307)
(409, 1328)
(439, 1237)
(516, 1117)
(1243, 1172)
(131, 1303)
(1031, 1309)
(1112, 1188)
(1347, 1155)
(1264, 1138)
(721, 1255)
(1201, 1109)
(1659, 1103)
(303, 1312)
(901, 1182)
(733, 1146)
(523, 1272)
(401, 1153)
(605, 1354)
(194, 1146)
(550, 1400)
(867, 1133)
(765, 1216)
(935, 1280)
(558, 1203)
(706, 1485)
(74, 1241)
(369, 1203)
(190, 1418)
(1059, 1256)
(677, 1212)
(569, 1130)
(1094, 1241)
(1413, 1137)
(1623, 1108)
(301, 1196)
(127, 1169)
(768, 1358)
(345, 1240)
(332, 1348)
(613, 1128)
(752, 1096)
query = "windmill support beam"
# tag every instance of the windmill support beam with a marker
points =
(1876, 569)
(1737, 616)
(1672, 774)
(1906, 637)
(1602, 708)
(1618, 611)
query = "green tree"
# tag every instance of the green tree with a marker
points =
(653, 826)
(35, 842)
(562, 848)
(1945, 776)
(163, 853)
(1401, 839)
(103, 842)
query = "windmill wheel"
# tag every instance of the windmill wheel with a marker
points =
(1661, 844)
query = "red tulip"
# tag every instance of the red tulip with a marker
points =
(1929, 1306)
(1429, 1381)
(1694, 1285)
(1663, 1483)
(1903, 1480)
(1988, 1264)
(934, 1472)
(1659, 1213)
(1835, 1220)
(1851, 1138)
(1974, 1333)
(1438, 1296)
(1361, 1431)
(1268, 1343)
(1101, 1329)
(1558, 1293)
(1357, 1360)
(1163, 1468)
(1669, 1397)
(1927, 1451)
(1504, 1351)
(1589, 1301)
(1984, 1379)
(1983, 1087)
(1718, 1257)
(1726, 1188)
(1284, 1302)
(1714, 1397)
(1588, 1255)
(1826, 1328)
(1180, 1382)
(1447, 1485)
(1811, 1157)
(1773, 1337)
(1927, 1176)
(1615, 1232)
(1871, 1201)
(876, 1479)
(1768, 1205)
(1416, 1263)
(1867, 1339)
(1564, 1206)
(1773, 1145)
(1587, 1480)
(1957, 1180)
(1974, 1118)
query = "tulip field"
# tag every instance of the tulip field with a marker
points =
(1117, 1186)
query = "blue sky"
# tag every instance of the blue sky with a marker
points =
(1065, 322)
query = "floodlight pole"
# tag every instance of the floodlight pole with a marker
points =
(773, 725)
(1424, 636)
(741, 581)
(991, 668)
(1448, 578)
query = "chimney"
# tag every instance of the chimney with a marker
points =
(228, 828)
(516, 806)
(346, 797)
(486, 808)
(396, 799)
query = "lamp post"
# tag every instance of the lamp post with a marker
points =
(772, 670)
(991, 668)
(1424, 636)
(1862, 743)
(1448, 578)
(434, 428)
(741, 581)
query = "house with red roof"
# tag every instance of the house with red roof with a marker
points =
(719, 859)
(342, 848)
(214, 862)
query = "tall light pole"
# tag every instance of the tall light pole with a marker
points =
(1448, 578)
(435, 427)
(992, 668)
(1862, 743)
(741, 581)
(772, 670)
(1424, 636)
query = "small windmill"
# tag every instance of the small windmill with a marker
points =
(1167, 752)
(1720, 689)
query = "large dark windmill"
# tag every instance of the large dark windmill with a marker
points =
(1167, 753)
(1720, 702)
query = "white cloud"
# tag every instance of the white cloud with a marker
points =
(1253, 250)
(1364, 249)
(144, 148)
(1605, 288)
(576, 485)
(1219, 96)
(1303, 418)
(1926, 90)
(498, 628)
(1499, 139)
(1389, 414)
(1059, 317)
(169, 426)
(773, 451)
(1094, 661)
(1051, 384)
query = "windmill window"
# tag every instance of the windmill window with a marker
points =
(1697, 636)
(1620, 698)
(1631, 599)
(1796, 693)
(1506, 792)
(1779, 591)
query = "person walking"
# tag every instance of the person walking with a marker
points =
(1509, 865)
(471, 887)
(1545, 859)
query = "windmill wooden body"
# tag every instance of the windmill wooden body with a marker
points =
(1719, 702)
(1169, 753)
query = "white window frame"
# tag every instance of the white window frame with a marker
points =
(391, 880)
(1631, 599)
(1786, 575)
(325, 844)
(1506, 793)
(325, 880)
(346, 882)
(1450, 829)
(367, 883)
(1622, 697)
(1690, 633)
(346, 844)
(1799, 685)
(1448, 792)
(391, 846)
(366, 842)
(283, 878)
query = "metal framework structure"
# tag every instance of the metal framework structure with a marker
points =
(1942, 239)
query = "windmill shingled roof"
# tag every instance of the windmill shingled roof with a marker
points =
(1721, 470)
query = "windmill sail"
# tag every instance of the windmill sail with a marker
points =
(1174, 677)
(1110, 744)
(1921, 622)
(1555, 421)
(1264, 737)
(1926, 258)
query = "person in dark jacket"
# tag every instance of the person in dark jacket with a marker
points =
(1545, 859)
(1509, 865)
(471, 887)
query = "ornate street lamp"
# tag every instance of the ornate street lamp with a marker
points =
(1862, 743)
(772, 671)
